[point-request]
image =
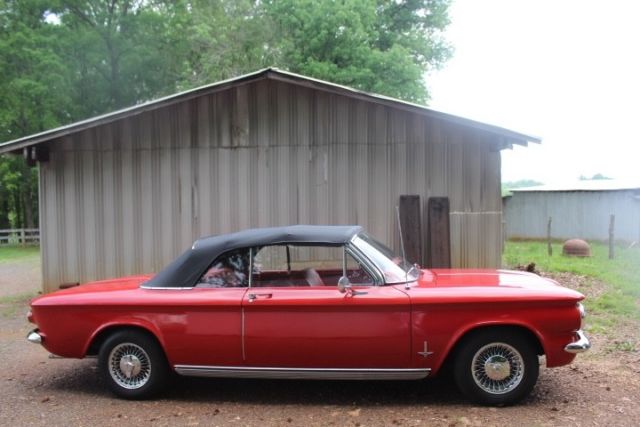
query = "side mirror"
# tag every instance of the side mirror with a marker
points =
(344, 285)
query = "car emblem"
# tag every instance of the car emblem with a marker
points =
(426, 351)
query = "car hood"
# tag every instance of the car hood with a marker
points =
(492, 285)
(507, 278)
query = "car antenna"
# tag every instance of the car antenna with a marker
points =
(404, 255)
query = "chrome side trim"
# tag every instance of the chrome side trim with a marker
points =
(579, 346)
(302, 373)
(159, 288)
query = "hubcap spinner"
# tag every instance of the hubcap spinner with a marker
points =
(497, 368)
(130, 365)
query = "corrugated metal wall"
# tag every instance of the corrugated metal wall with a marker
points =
(128, 197)
(575, 214)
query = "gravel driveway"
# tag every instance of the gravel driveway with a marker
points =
(600, 388)
(20, 276)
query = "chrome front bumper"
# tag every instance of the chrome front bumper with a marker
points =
(35, 337)
(579, 346)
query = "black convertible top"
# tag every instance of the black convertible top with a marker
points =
(188, 267)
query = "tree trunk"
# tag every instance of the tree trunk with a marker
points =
(28, 207)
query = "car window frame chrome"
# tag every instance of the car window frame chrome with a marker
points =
(250, 281)
(366, 263)
(372, 265)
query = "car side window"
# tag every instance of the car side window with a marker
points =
(229, 270)
(300, 265)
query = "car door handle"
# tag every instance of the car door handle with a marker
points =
(253, 297)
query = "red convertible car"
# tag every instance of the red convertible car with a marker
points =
(314, 302)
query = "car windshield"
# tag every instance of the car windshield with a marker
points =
(394, 268)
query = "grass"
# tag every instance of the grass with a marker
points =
(13, 253)
(620, 299)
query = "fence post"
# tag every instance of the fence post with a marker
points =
(612, 222)
(549, 248)
(23, 237)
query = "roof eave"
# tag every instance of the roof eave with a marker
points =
(505, 138)
(48, 135)
(509, 137)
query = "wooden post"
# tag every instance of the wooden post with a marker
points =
(23, 237)
(549, 248)
(411, 220)
(439, 239)
(612, 222)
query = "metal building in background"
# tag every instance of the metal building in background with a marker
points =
(125, 192)
(579, 210)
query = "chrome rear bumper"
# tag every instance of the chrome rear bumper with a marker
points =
(35, 337)
(579, 346)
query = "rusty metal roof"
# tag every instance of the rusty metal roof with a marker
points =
(507, 138)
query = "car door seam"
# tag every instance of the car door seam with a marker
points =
(244, 356)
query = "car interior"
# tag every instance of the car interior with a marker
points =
(284, 266)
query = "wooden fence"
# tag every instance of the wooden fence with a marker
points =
(20, 236)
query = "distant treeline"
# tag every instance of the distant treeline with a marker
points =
(65, 60)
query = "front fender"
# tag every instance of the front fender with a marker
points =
(443, 326)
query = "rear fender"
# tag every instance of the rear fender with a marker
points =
(123, 323)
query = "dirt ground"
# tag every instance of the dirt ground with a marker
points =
(602, 387)
(20, 276)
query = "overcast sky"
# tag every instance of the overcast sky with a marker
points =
(567, 71)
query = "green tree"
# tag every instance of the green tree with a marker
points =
(225, 39)
(34, 84)
(122, 51)
(595, 177)
(374, 45)
(509, 185)
(18, 193)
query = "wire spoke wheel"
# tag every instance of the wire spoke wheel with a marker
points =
(133, 364)
(129, 365)
(497, 368)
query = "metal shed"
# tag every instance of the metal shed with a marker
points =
(125, 192)
(578, 210)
